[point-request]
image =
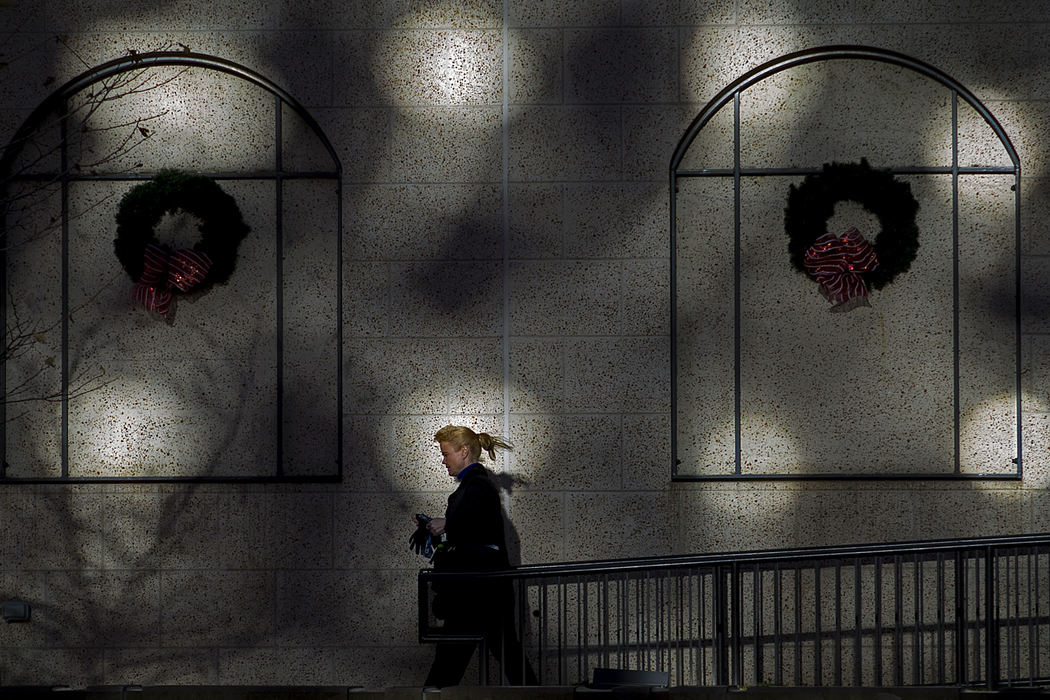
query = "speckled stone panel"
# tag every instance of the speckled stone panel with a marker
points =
(619, 65)
(185, 118)
(710, 58)
(387, 671)
(614, 220)
(704, 336)
(568, 452)
(310, 343)
(154, 666)
(756, 44)
(1035, 295)
(177, 530)
(686, 13)
(75, 666)
(445, 144)
(268, 665)
(27, 586)
(1035, 374)
(622, 524)
(987, 325)
(619, 375)
(90, 609)
(33, 358)
(362, 139)
(302, 150)
(811, 114)
(111, 16)
(1035, 209)
(537, 375)
(995, 511)
(423, 222)
(765, 12)
(25, 79)
(536, 226)
(395, 14)
(546, 297)
(983, 57)
(712, 147)
(650, 435)
(382, 376)
(536, 73)
(360, 516)
(565, 143)
(218, 608)
(645, 292)
(53, 529)
(573, 13)
(325, 608)
(438, 298)
(538, 526)
(437, 67)
(947, 11)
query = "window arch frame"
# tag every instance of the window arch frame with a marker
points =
(731, 95)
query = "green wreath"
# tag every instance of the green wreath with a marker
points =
(812, 203)
(221, 229)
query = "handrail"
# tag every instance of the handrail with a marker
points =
(770, 556)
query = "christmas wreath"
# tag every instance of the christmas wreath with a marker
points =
(812, 249)
(159, 270)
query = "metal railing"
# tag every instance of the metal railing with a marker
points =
(972, 612)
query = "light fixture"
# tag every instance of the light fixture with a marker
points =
(14, 611)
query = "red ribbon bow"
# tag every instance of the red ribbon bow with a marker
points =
(164, 272)
(837, 263)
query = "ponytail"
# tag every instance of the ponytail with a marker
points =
(489, 443)
(460, 435)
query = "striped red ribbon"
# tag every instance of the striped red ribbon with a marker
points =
(164, 272)
(838, 262)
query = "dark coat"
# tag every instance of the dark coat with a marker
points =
(473, 524)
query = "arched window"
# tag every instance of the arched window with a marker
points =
(243, 381)
(767, 382)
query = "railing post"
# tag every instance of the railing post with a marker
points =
(719, 643)
(960, 619)
(991, 619)
(735, 616)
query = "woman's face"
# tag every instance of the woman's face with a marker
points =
(454, 458)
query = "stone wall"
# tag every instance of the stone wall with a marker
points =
(505, 264)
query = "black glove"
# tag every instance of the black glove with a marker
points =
(419, 539)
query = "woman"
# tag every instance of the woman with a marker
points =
(473, 540)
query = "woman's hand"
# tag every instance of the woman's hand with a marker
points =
(436, 526)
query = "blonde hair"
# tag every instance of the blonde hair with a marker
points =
(459, 436)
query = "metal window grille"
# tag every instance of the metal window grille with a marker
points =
(53, 111)
(730, 97)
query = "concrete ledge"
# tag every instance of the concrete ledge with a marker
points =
(508, 693)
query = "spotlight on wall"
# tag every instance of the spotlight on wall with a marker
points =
(14, 611)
